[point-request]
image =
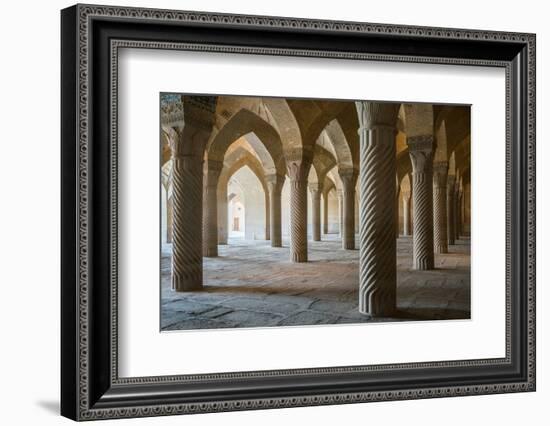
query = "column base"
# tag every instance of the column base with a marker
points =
(298, 257)
(184, 284)
(423, 264)
(377, 305)
(211, 252)
(441, 249)
(348, 245)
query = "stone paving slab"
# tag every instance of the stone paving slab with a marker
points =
(252, 284)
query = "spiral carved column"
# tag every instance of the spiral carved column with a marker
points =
(315, 190)
(267, 215)
(450, 210)
(169, 218)
(457, 211)
(190, 132)
(377, 255)
(325, 212)
(222, 216)
(406, 195)
(396, 213)
(460, 212)
(187, 223)
(421, 153)
(297, 171)
(349, 178)
(440, 206)
(275, 186)
(340, 196)
(210, 224)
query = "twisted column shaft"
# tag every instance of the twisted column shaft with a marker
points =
(396, 214)
(450, 210)
(340, 196)
(440, 206)
(267, 216)
(297, 171)
(187, 223)
(325, 213)
(457, 212)
(377, 247)
(406, 213)
(169, 218)
(348, 179)
(187, 144)
(275, 186)
(222, 216)
(460, 213)
(315, 192)
(210, 223)
(421, 153)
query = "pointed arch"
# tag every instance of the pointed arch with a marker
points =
(258, 133)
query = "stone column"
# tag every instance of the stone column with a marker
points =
(396, 210)
(267, 216)
(316, 189)
(450, 209)
(440, 206)
(274, 187)
(456, 211)
(187, 146)
(210, 223)
(298, 172)
(421, 153)
(340, 196)
(356, 210)
(222, 215)
(377, 246)
(169, 218)
(348, 178)
(406, 195)
(460, 212)
(325, 212)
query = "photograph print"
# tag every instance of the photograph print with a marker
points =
(280, 212)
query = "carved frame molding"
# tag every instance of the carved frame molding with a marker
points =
(91, 388)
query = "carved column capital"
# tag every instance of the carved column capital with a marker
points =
(298, 170)
(421, 150)
(213, 171)
(274, 183)
(450, 183)
(440, 173)
(191, 121)
(316, 188)
(376, 114)
(349, 179)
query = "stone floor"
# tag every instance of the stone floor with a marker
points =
(252, 284)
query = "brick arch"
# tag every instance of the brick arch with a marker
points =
(345, 158)
(258, 133)
(323, 161)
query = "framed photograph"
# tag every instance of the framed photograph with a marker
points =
(263, 212)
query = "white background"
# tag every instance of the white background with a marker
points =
(29, 225)
(140, 343)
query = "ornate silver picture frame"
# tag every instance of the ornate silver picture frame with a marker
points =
(91, 386)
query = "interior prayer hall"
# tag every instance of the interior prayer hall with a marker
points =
(281, 211)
